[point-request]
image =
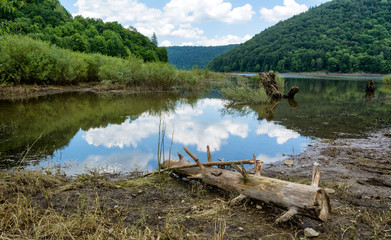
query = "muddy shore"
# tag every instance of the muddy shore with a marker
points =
(168, 207)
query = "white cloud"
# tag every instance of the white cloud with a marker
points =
(218, 41)
(188, 129)
(114, 163)
(280, 132)
(177, 18)
(267, 159)
(165, 43)
(278, 13)
(206, 10)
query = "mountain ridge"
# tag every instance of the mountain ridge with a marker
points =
(187, 57)
(344, 36)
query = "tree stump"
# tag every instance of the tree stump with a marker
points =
(270, 85)
(370, 86)
(292, 92)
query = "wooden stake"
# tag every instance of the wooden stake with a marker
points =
(180, 158)
(194, 158)
(208, 153)
(315, 175)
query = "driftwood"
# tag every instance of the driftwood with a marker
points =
(291, 93)
(370, 86)
(301, 199)
(269, 83)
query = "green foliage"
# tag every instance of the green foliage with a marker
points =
(188, 57)
(387, 79)
(245, 95)
(339, 36)
(154, 40)
(25, 60)
(47, 20)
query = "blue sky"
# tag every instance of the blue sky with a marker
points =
(193, 22)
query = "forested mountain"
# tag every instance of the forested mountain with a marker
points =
(188, 57)
(49, 21)
(339, 36)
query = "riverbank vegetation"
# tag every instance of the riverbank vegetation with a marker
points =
(24, 60)
(387, 79)
(245, 90)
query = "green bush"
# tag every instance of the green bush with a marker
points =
(24, 60)
(27, 61)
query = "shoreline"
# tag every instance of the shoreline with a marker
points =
(355, 171)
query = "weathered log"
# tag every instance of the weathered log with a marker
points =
(270, 85)
(370, 86)
(291, 94)
(301, 199)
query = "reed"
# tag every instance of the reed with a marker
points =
(27, 61)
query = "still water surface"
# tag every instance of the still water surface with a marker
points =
(119, 133)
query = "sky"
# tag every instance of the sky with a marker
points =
(193, 22)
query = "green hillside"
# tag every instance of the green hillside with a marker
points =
(339, 36)
(188, 57)
(47, 20)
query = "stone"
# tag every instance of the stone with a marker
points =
(329, 190)
(288, 163)
(309, 232)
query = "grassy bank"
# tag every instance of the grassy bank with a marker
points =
(244, 90)
(387, 79)
(27, 61)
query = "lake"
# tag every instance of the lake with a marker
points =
(120, 133)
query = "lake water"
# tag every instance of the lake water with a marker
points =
(119, 133)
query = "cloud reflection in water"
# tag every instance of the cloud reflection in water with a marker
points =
(188, 128)
(280, 132)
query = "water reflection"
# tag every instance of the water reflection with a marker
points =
(133, 144)
(120, 132)
(277, 131)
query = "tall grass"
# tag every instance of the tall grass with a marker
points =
(27, 61)
(387, 79)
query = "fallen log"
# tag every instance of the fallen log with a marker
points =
(310, 201)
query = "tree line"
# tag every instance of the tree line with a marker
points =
(343, 36)
(187, 57)
(48, 20)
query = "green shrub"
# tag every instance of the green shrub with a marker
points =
(24, 60)
(27, 61)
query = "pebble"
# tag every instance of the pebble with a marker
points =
(288, 163)
(329, 190)
(258, 206)
(111, 230)
(309, 232)
(240, 228)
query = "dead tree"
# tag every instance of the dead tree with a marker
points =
(311, 201)
(291, 94)
(270, 85)
(370, 86)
